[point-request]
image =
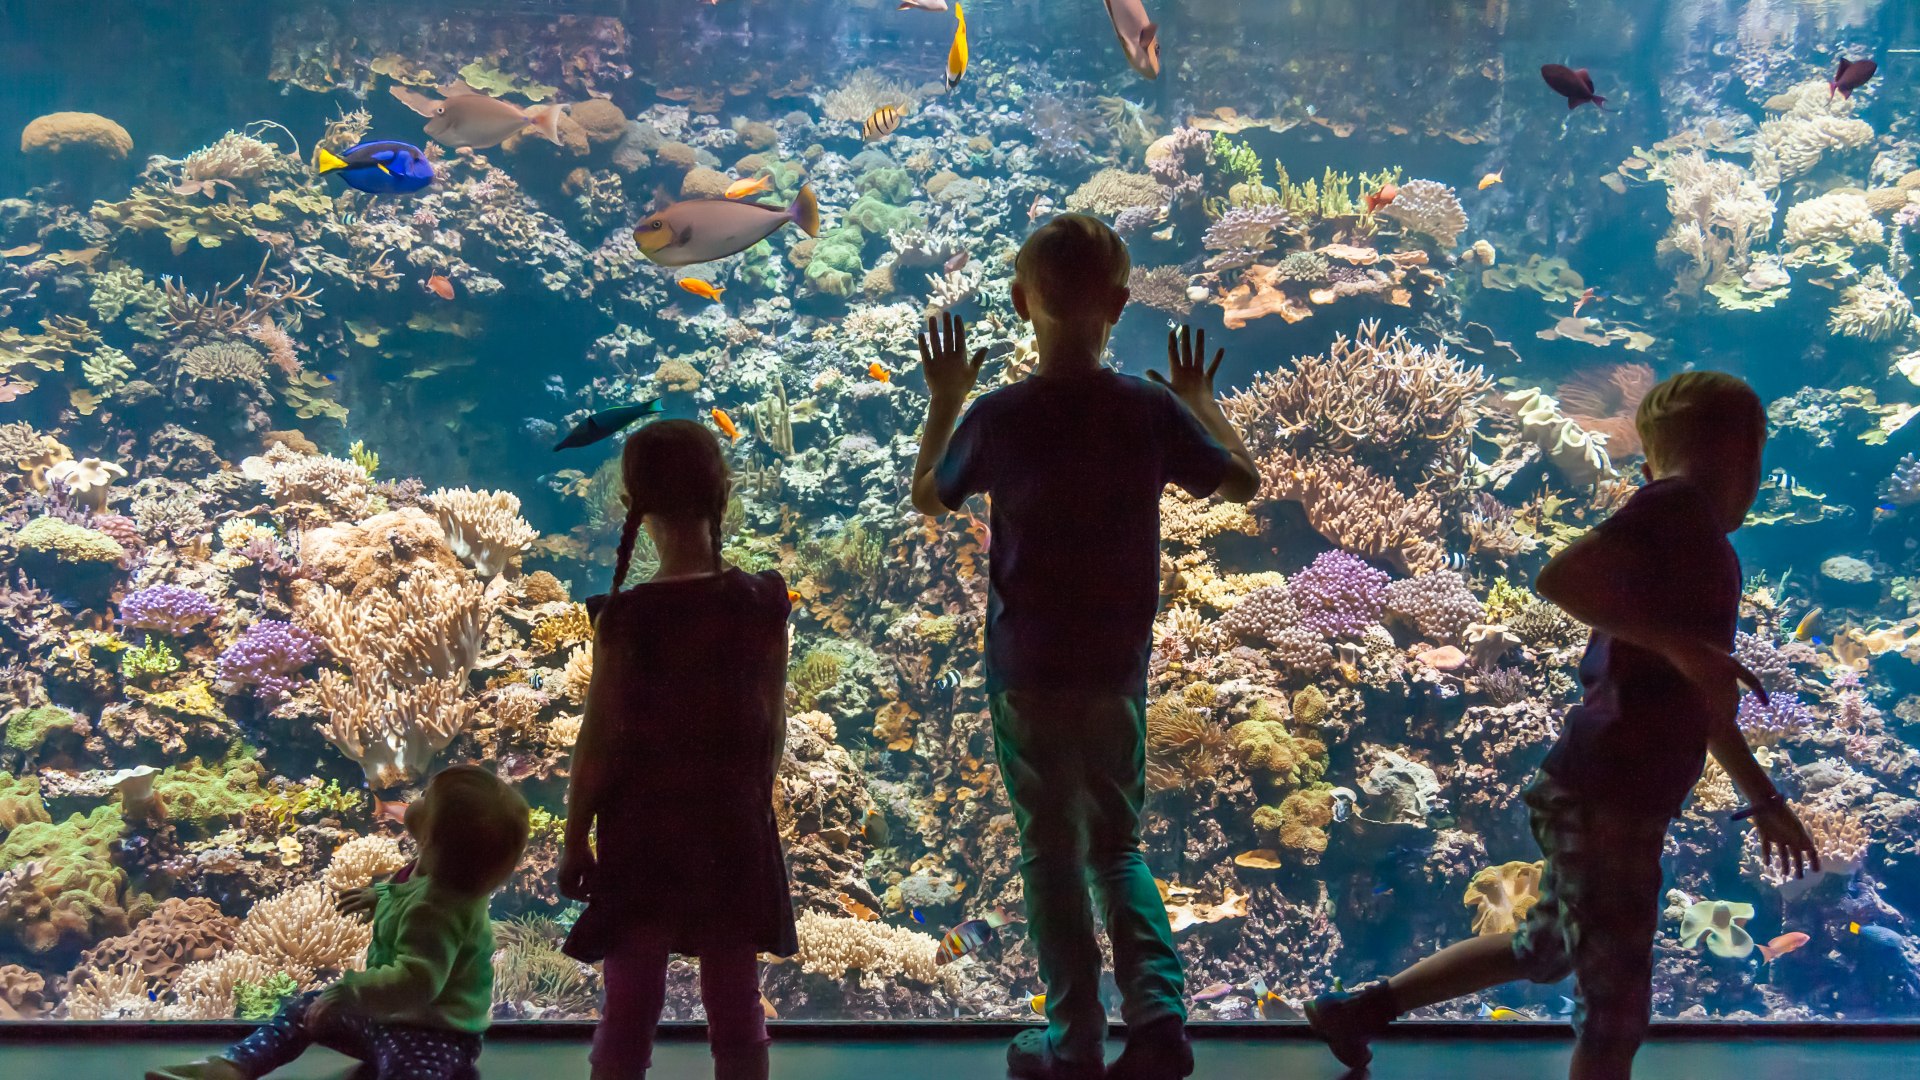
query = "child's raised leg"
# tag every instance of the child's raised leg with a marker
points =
(635, 973)
(736, 1021)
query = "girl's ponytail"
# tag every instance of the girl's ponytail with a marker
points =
(629, 532)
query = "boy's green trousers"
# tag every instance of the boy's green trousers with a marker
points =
(1075, 769)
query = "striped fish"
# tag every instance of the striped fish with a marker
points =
(881, 123)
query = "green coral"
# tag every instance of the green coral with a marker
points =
(20, 801)
(149, 661)
(1263, 742)
(485, 76)
(368, 460)
(815, 674)
(68, 543)
(1310, 706)
(261, 1000)
(874, 216)
(107, 369)
(75, 893)
(124, 292)
(1335, 194)
(27, 729)
(834, 266)
(200, 793)
(1505, 600)
(287, 808)
(193, 699)
(893, 185)
(1236, 158)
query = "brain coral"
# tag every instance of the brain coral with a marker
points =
(57, 133)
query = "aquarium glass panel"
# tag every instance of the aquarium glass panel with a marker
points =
(322, 325)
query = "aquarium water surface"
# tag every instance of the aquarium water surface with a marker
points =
(297, 299)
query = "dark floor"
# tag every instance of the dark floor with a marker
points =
(975, 1058)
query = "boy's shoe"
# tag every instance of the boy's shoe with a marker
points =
(751, 1063)
(204, 1069)
(1158, 1051)
(1347, 1022)
(1029, 1057)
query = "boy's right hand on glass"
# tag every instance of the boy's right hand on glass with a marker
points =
(1189, 375)
(949, 371)
(576, 873)
(1783, 838)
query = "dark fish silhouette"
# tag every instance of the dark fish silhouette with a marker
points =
(607, 423)
(1575, 86)
(1851, 75)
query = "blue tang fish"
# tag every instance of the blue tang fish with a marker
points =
(378, 168)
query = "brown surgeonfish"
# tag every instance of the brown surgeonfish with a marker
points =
(466, 117)
(1851, 75)
(1139, 35)
(1575, 86)
(702, 230)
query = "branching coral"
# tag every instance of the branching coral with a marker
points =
(1243, 234)
(832, 946)
(268, 657)
(483, 527)
(227, 362)
(1356, 508)
(314, 484)
(169, 609)
(1163, 288)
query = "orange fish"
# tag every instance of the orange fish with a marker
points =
(740, 189)
(705, 289)
(1586, 298)
(878, 373)
(390, 808)
(1784, 944)
(1384, 197)
(440, 287)
(725, 424)
(792, 597)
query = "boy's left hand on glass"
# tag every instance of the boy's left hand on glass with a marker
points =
(576, 873)
(1783, 838)
(949, 371)
(358, 903)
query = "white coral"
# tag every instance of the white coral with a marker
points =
(1719, 213)
(1812, 122)
(1430, 207)
(1874, 309)
(1838, 217)
(483, 527)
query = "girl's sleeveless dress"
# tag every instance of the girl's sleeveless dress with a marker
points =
(687, 844)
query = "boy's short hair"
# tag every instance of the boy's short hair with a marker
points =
(1698, 410)
(490, 825)
(1065, 259)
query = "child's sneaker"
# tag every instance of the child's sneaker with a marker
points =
(204, 1069)
(1347, 1022)
(1158, 1051)
(1030, 1058)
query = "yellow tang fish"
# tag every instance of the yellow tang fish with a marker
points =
(705, 289)
(1039, 1003)
(957, 54)
(881, 123)
(1492, 178)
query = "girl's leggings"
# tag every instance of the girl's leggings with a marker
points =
(636, 979)
(395, 1051)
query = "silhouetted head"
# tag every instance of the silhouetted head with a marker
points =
(1071, 270)
(672, 470)
(485, 833)
(1710, 427)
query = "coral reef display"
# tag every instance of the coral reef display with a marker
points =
(282, 530)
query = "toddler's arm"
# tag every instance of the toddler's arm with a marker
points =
(426, 945)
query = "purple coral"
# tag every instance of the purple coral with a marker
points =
(169, 609)
(1781, 716)
(268, 657)
(1339, 595)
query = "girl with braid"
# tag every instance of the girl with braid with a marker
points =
(672, 778)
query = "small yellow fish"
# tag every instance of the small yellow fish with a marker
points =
(881, 123)
(706, 290)
(957, 53)
(1504, 1013)
(793, 597)
(878, 373)
(1803, 631)
(725, 423)
(740, 189)
(1492, 178)
(1039, 1003)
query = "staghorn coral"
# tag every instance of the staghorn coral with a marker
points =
(483, 527)
(1430, 208)
(1356, 508)
(1874, 308)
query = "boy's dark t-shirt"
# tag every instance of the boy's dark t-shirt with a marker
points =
(1074, 466)
(1638, 739)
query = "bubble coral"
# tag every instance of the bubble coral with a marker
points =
(1501, 896)
(169, 609)
(1339, 595)
(268, 656)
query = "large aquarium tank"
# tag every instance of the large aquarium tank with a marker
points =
(283, 528)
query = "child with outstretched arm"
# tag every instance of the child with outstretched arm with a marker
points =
(1075, 458)
(1660, 585)
(418, 1010)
